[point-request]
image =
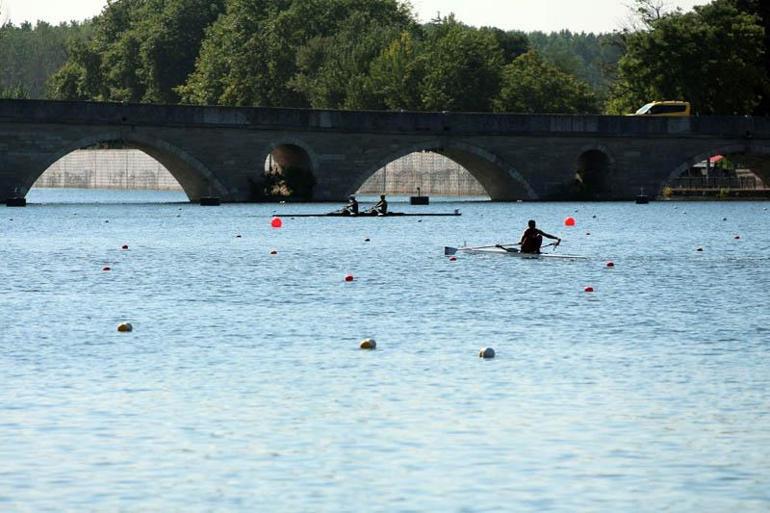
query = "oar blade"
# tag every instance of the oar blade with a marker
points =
(449, 251)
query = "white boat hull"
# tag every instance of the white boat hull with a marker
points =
(492, 250)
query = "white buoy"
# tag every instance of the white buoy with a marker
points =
(125, 327)
(368, 344)
(487, 353)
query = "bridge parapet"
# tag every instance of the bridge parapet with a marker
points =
(433, 123)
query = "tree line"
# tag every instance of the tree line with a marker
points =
(374, 55)
(30, 55)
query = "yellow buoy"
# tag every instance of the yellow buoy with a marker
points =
(486, 353)
(125, 327)
(369, 344)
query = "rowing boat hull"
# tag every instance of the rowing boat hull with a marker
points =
(514, 254)
(359, 216)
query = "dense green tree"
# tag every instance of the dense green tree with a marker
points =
(335, 71)
(142, 50)
(463, 68)
(532, 85)
(761, 9)
(372, 54)
(396, 74)
(712, 57)
(232, 66)
(589, 57)
(350, 54)
(98, 70)
(30, 54)
(14, 93)
(171, 46)
(294, 52)
(80, 77)
(512, 43)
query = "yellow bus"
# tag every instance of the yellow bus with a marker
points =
(675, 108)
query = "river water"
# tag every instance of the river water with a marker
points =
(242, 387)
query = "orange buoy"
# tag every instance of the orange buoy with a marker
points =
(610, 264)
(589, 289)
(349, 278)
(453, 259)
(273, 252)
(105, 269)
(125, 246)
(276, 222)
(570, 221)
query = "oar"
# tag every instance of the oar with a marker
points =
(497, 246)
(449, 251)
(554, 244)
(509, 250)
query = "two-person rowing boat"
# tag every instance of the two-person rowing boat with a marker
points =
(456, 213)
(380, 209)
(352, 208)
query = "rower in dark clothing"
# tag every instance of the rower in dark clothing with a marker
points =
(532, 239)
(351, 209)
(381, 208)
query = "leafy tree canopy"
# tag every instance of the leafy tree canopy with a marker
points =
(590, 57)
(293, 53)
(29, 55)
(760, 9)
(531, 85)
(335, 71)
(712, 57)
(373, 54)
(141, 51)
(463, 68)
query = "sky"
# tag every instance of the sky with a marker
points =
(526, 15)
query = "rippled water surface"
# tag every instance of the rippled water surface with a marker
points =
(242, 388)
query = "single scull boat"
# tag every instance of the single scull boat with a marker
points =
(508, 250)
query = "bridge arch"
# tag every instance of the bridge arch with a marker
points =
(728, 149)
(754, 156)
(292, 141)
(595, 167)
(290, 164)
(195, 178)
(501, 181)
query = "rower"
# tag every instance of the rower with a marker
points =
(351, 209)
(532, 239)
(381, 208)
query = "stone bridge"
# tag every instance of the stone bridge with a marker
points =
(218, 151)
